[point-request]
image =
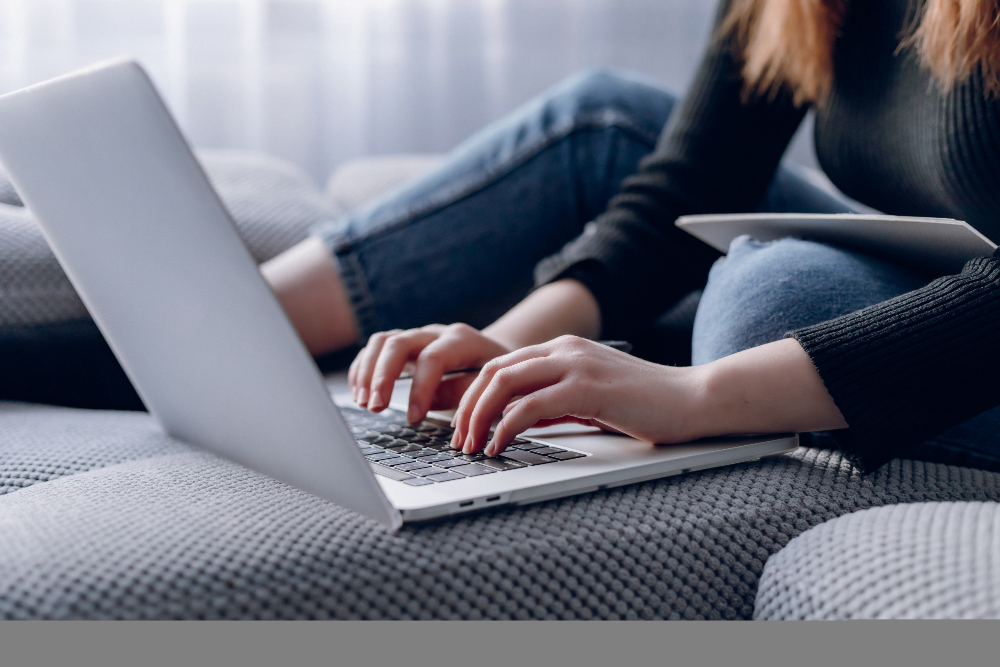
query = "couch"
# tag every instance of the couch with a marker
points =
(104, 516)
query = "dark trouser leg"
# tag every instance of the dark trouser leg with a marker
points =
(461, 243)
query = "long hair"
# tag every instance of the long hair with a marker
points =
(788, 44)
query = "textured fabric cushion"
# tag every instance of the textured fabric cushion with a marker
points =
(273, 204)
(925, 560)
(185, 534)
(39, 443)
(360, 180)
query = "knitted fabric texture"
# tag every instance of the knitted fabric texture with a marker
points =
(39, 443)
(272, 203)
(189, 535)
(925, 560)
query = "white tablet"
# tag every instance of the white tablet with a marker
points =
(937, 246)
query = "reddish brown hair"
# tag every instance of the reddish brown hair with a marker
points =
(788, 44)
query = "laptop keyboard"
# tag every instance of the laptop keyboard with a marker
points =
(421, 454)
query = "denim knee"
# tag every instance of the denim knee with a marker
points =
(602, 97)
(761, 290)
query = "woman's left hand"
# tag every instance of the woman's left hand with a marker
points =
(572, 379)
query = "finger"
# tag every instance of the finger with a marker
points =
(430, 367)
(396, 351)
(367, 366)
(565, 419)
(352, 375)
(550, 403)
(450, 391)
(521, 379)
(461, 418)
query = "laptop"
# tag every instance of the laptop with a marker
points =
(155, 257)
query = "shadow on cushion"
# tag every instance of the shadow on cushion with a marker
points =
(63, 363)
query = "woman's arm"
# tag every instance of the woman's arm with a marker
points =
(308, 286)
(768, 389)
(717, 154)
(553, 310)
(904, 370)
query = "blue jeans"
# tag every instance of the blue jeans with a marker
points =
(760, 290)
(460, 243)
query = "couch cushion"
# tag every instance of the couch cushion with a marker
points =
(272, 202)
(924, 560)
(189, 535)
(359, 181)
(39, 443)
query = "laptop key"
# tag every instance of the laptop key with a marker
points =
(391, 473)
(371, 450)
(446, 476)
(426, 452)
(418, 481)
(451, 463)
(566, 456)
(501, 464)
(530, 458)
(410, 465)
(394, 462)
(425, 472)
(380, 455)
(472, 470)
(526, 446)
(546, 451)
(437, 459)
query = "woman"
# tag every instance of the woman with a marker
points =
(908, 122)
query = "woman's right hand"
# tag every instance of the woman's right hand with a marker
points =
(429, 353)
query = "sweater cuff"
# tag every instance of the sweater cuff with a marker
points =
(907, 369)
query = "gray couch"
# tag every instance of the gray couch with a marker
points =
(103, 516)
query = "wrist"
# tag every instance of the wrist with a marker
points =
(563, 307)
(767, 389)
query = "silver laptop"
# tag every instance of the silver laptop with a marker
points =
(155, 257)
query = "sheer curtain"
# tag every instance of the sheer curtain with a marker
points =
(321, 81)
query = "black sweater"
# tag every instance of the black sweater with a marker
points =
(901, 371)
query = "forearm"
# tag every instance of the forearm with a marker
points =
(767, 389)
(559, 308)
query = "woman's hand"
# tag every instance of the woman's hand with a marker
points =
(578, 380)
(431, 352)
(769, 389)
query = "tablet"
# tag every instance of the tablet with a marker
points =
(935, 246)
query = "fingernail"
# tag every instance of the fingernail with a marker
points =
(454, 441)
(375, 402)
(363, 396)
(490, 449)
(412, 414)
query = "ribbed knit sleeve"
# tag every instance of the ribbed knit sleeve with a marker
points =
(907, 369)
(716, 154)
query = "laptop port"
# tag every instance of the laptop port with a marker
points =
(466, 503)
(492, 499)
